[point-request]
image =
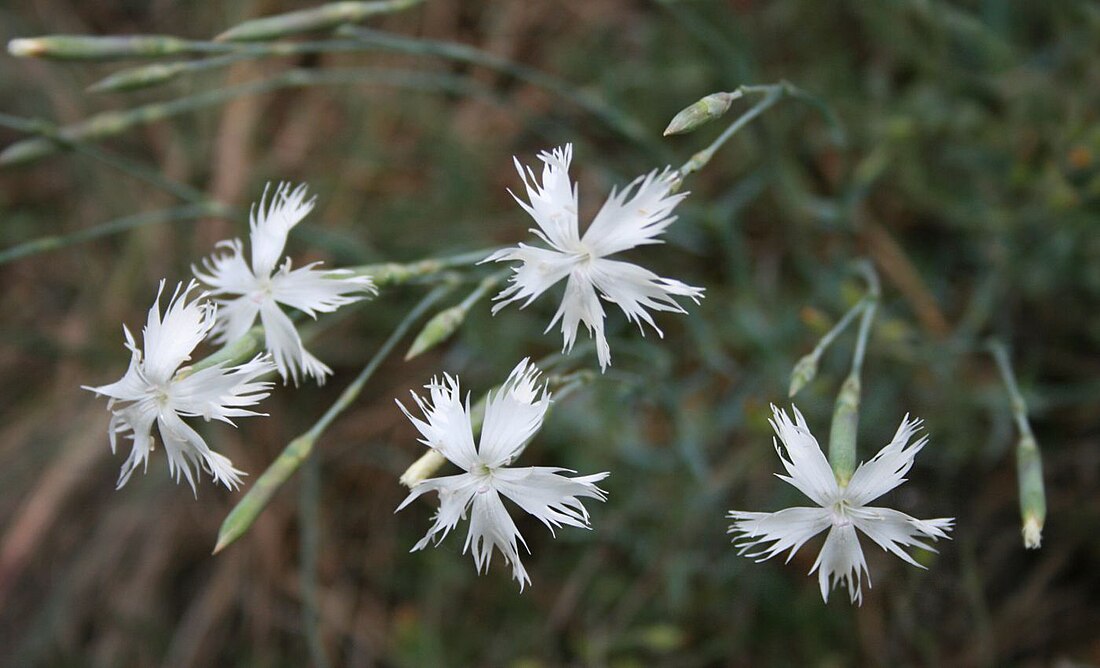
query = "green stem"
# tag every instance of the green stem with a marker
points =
(309, 519)
(125, 165)
(54, 242)
(393, 273)
(314, 18)
(445, 323)
(240, 519)
(772, 93)
(615, 119)
(155, 74)
(112, 123)
(845, 426)
(806, 368)
(1029, 461)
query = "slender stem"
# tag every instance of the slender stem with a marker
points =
(772, 93)
(112, 123)
(237, 523)
(1029, 462)
(445, 323)
(483, 288)
(314, 18)
(614, 118)
(842, 434)
(125, 165)
(839, 327)
(155, 74)
(806, 368)
(351, 392)
(54, 242)
(309, 520)
(874, 291)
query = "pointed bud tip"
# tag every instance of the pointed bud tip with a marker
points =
(25, 47)
(223, 542)
(700, 112)
(1033, 533)
(804, 372)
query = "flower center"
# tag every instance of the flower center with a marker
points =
(840, 513)
(485, 473)
(162, 395)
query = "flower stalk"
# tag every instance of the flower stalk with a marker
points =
(88, 47)
(113, 123)
(315, 18)
(806, 368)
(772, 93)
(445, 323)
(1029, 461)
(842, 433)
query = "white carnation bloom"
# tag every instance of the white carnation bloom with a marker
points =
(261, 288)
(513, 415)
(636, 216)
(842, 509)
(150, 392)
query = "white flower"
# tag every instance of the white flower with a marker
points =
(513, 415)
(261, 288)
(150, 392)
(634, 217)
(842, 509)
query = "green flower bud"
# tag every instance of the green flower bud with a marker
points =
(705, 110)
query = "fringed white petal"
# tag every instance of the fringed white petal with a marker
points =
(170, 341)
(236, 317)
(285, 345)
(314, 291)
(841, 561)
(634, 216)
(188, 453)
(271, 221)
(539, 270)
(553, 202)
(893, 530)
(456, 492)
(551, 497)
(806, 465)
(786, 529)
(227, 273)
(887, 469)
(136, 421)
(447, 426)
(635, 289)
(581, 304)
(491, 526)
(219, 393)
(513, 415)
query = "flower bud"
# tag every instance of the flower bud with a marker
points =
(1033, 503)
(439, 329)
(704, 111)
(83, 47)
(803, 373)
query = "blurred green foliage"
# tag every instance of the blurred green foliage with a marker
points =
(968, 170)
